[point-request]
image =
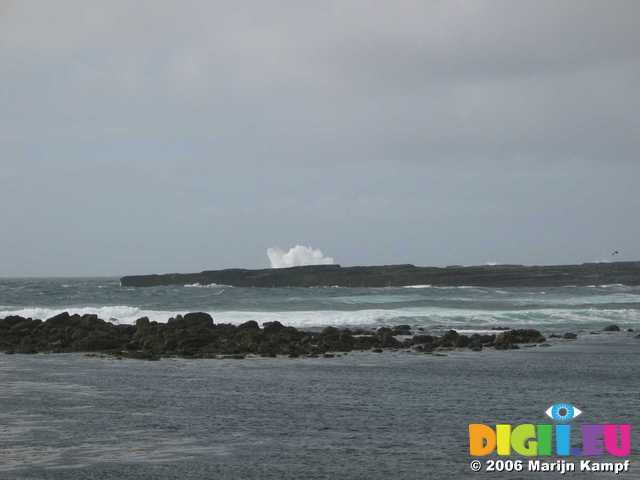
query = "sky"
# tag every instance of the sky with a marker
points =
(164, 136)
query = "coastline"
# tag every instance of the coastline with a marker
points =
(626, 273)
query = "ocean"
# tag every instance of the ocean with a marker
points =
(578, 308)
(360, 415)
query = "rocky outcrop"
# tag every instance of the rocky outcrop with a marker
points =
(511, 338)
(62, 333)
(195, 335)
(627, 273)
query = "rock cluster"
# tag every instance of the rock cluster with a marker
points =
(195, 335)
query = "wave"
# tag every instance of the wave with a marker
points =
(449, 287)
(418, 316)
(207, 285)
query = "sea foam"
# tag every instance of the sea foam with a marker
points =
(418, 316)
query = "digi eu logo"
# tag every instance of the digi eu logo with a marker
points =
(543, 440)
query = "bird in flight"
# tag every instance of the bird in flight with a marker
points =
(615, 252)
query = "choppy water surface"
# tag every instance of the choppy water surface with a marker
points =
(364, 415)
(361, 416)
(457, 307)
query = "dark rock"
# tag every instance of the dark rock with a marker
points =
(272, 326)
(12, 320)
(98, 341)
(192, 320)
(24, 326)
(387, 340)
(60, 320)
(142, 323)
(362, 331)
(483, 339)
(195, 335)
(450, 339)
(418, 339)
(330, 331)
(401, 330)
(510, 339)
(402, 327)
(611, 328)
(333, 339)
(523, 336)
(366, 342)
(570, 336)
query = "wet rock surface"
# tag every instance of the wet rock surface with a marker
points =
(611, 328)
(196, 335)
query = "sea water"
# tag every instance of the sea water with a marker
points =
(363, 415)
(419, 306)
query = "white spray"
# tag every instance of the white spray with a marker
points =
(297, 256)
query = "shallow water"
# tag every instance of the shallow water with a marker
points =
(364, 415)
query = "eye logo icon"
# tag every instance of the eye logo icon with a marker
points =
(563, 412)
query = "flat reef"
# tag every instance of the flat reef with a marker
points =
(627, 273)
(195, 335)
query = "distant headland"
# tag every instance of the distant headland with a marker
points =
(626, 273)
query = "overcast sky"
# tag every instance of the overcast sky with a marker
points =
(156, 136)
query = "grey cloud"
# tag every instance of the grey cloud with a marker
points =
(155, 136)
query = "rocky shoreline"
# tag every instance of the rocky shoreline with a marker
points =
(195, 335)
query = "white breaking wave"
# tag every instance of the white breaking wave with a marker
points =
(297, 256)
(444, 287)
(419, 316)
(208, 285)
